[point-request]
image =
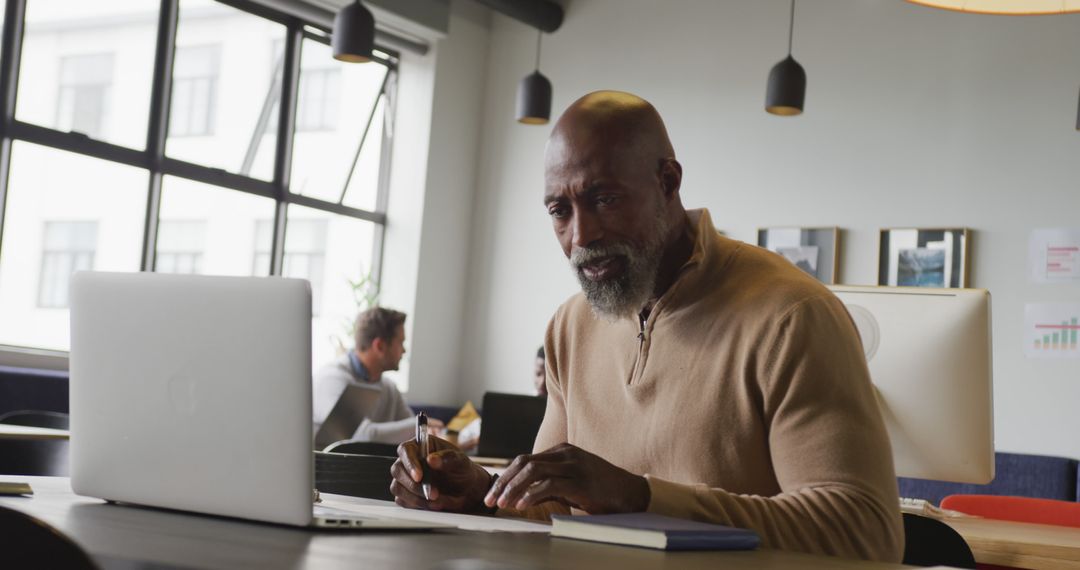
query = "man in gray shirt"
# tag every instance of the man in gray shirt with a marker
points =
(380, 340)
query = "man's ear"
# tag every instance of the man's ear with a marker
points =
(670, 177)
(378, 345)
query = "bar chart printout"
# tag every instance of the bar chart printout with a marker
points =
(1053, 330)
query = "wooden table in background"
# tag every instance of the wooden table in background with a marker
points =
(1022, 545)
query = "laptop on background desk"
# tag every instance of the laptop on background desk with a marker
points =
(194, 393)
(511, 422)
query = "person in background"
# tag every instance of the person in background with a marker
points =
(380, 344)
(540, 373)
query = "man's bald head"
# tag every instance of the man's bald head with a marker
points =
(620, 125)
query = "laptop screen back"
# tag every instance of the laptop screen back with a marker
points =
(510, 424)
(193, 393)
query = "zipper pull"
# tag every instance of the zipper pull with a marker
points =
(641, 333)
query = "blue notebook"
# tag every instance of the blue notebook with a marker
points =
(653, 531)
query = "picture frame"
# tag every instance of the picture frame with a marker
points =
(924, 257)
(814, 250)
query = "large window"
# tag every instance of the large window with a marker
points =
(128, 152)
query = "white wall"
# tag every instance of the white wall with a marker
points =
(429, 210)
(914, 117)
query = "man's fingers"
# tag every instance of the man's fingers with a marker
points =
(402, 476)
(516, 487)
(406, 498)
(409, 455)
(545, 490)
(448, 460)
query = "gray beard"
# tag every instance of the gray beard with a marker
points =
(625, 295)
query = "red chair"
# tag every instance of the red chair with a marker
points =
(1018, 509)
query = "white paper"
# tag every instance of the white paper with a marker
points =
(463, 522)
(1052, 330)
(1054, 255)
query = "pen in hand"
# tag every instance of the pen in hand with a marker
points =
(422, 442)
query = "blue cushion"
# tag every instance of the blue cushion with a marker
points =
(1016, 474)
(442, 413)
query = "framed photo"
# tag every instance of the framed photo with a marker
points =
(924, 257)
(814, 250)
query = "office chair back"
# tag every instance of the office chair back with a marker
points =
(362, 448)
(36, 418)
(1017, 509)
(32, 543)
(354, 475)
(930, 542)
(34, 457)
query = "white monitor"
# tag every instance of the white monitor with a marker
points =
(929, 354)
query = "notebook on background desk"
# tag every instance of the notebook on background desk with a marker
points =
(194, 393)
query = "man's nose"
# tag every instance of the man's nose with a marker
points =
(587, 229)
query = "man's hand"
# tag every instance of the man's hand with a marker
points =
(457, 484)
(572, 476)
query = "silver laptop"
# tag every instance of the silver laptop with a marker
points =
(194, 393)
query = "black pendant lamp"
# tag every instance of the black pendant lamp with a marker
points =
(787, 82)
(354, 34)
(534, 94)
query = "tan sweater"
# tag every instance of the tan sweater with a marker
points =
(748, 403)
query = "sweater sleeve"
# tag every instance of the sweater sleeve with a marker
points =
(827, 442)
(399, 427)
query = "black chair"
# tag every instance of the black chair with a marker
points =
(930, 542)
(37, 418)
(31, 543)
(34, 457)
(362, 448)
(354, 475)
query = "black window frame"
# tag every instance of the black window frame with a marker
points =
(153, 158)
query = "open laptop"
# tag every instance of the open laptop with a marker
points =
(511, 422)
(347, 414)
(194, 393)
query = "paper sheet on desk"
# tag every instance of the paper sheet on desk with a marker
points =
(463, 522)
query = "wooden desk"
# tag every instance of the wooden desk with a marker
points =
(1023, 545)
(126, 537)
(9, 431)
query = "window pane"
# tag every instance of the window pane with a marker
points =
(194, 91)
(209, 230)
(65, 212)
(332, 108)
(180, 246)
(335, 253)
(224, 93)
(88, 67)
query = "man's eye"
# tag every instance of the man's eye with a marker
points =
(558, 211)
(606, 200)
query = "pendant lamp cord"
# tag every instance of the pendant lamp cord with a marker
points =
(791, 28)
(539, 34)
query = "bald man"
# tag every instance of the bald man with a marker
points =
(694, 376)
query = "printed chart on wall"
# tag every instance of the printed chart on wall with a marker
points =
(1052, 330)
(1054, 255)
